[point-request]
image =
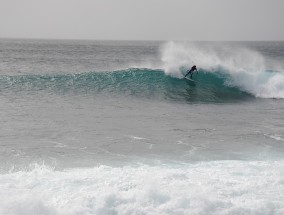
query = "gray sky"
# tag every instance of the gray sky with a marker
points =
(143, 19)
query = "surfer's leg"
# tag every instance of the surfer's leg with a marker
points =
(188, 72)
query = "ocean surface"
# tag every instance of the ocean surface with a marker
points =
(111, 127)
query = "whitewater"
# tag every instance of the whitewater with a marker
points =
(111, 127)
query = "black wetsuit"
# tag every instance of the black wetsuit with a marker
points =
(191, 71)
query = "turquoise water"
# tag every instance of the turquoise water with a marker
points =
(98, 127)
(136, 82)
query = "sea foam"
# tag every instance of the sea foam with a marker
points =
(219, 187)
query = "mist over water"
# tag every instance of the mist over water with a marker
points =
(98, 127)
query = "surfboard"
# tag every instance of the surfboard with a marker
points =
(189, 79)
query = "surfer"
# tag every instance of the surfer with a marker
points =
(190, 71)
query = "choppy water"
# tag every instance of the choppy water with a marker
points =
(97, 127)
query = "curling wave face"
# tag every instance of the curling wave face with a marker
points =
(141, 83)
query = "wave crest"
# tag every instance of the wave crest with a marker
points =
(248, 70)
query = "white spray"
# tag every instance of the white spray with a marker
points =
(247, 68)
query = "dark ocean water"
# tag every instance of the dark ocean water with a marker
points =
(111, 127)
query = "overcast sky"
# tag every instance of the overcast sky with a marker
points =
(143, 19)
